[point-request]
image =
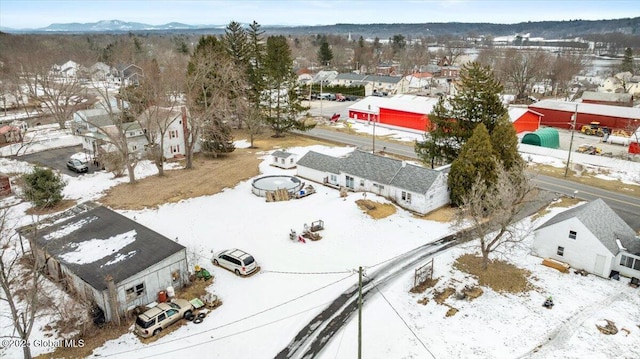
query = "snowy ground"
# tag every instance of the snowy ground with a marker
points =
(261, 314)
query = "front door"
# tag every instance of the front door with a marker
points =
(349, 182)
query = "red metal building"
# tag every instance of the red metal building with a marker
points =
(559, 114)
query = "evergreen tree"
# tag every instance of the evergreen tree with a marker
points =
(325, 54)
(255, 58)
(452, 122)
(627, 61)
(476, 160)
(43, 187)
(504, 141)
(280, 100)
(235, 40)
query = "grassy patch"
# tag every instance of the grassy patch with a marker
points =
(563, 202)
(61, 206)
(376, 210)
(589, 179)
(420, 288)
(500, 276)
(443, 214)
(441, 296)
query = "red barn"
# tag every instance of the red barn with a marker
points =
(524, 120)
(558, 114)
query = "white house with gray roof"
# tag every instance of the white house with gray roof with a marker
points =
(591, 237)
(283, 159)
(412, 187)
(373, 83)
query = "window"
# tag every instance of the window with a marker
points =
(573, 234)
(406, 196)
(333, 178)
(361, 183)
(161, 317)
(636, 264)
(626, 261)
(291, 160)
(560, 251)
(173, 134)
(134, 292)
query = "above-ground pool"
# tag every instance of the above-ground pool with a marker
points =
(262, 185)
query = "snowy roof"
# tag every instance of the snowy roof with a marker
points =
(601, 221)
(379, 169)
(607, 96)
(589, 108)
(403, 102)
(99, 242)
(516, 112)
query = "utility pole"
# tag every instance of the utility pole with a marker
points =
(359, 312)
(574, 117)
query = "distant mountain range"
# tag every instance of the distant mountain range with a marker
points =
(546, 29)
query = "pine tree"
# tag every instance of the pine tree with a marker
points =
(627, 61)
(504, 141)
(235, 39)
(43, 187)
(476, 160)
(325, 54)
(255, 58)
(280, 100)
(453, 120)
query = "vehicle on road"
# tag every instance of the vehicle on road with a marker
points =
(238, 261)
(77, 166)
(154, 320)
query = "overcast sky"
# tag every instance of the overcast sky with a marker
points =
(20, 14)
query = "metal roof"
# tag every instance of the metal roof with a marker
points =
(588, 108)
(601, 221)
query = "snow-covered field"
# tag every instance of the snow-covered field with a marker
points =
(261, 314)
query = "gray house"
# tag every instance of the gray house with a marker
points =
(412, 187)
(591, 237)
(108, 259)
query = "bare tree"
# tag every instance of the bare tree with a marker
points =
(563, 69)
(491, 212)
(519, 69)
(116, 133)
(21, 281)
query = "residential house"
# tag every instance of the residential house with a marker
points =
(176, 125)
(129, 74)
(106, 258)
(69, 70)
(591, 237)
(86, 123)
(418, 81)
(412, 187)
(283, 159)
(101, 72)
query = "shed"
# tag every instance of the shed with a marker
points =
(106, 258)
(544, 137)
(283, 159)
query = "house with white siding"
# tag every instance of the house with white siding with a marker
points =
(412, 187)
(283, 159)
(107, 259)
(591, 237)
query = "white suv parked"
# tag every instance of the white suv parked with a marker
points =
(237, 261)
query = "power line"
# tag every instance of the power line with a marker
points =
(228, 335)
(403, 321)
(237, 320)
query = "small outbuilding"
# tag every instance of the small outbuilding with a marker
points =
(544, 137)
(107, 259)
(591, 237)
(284, 159)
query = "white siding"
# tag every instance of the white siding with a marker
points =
(314, 175)
(580, 253)
(155, 278)
(623, 270)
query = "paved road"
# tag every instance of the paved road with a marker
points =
(627, 207)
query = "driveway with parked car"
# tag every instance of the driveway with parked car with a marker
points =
(57, 159)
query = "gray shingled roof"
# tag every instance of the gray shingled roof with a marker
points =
(601, 220)
(379, 169)
(101, 223)
(281, 154)
(350, 76)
